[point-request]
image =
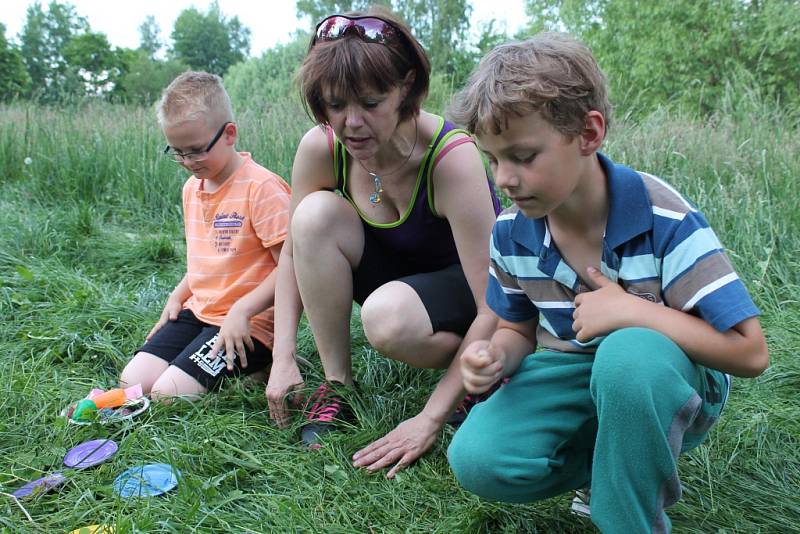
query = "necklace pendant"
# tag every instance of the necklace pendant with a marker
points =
(375, 197)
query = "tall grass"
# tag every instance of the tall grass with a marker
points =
(93, 244)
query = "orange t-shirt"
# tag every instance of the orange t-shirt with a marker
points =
(228, 234)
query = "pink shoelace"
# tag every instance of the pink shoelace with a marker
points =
(471, 400)
(326, 405)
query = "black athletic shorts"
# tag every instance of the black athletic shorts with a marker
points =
(445, 293)
(186, 343)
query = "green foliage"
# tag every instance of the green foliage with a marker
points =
(15, 80)
(442, 27)
(683, 51)
(144, 78)
(92, 154)
(258, 84)
(771, 46)
(149, 37)
(44, 38)
(209, 41)
(90, 57)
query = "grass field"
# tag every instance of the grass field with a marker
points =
(92, 244)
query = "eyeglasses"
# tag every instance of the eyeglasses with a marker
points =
(369, 29)
(198, 155)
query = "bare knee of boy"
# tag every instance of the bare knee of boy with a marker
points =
(175, 382)
(144, 369)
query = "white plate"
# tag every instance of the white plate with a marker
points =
(129, 410)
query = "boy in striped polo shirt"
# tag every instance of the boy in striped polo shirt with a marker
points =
(218, 321)
(619, 281)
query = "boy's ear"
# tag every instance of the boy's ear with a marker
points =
(231, 132)
(594, 132)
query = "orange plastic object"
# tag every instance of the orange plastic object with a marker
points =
(110, 399)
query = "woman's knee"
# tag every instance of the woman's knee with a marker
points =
(319, 214)
(385, 321)
(324, 224)
(395, 322)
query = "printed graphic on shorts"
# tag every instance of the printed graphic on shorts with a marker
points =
(211, 366)
(226, 227)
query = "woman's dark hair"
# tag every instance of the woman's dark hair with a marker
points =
(349, 65)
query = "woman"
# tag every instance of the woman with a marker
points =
(406, 237)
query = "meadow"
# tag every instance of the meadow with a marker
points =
(93, 244)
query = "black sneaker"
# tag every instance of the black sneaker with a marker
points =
(322, 410)
(464, 407)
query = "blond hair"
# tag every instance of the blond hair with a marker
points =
(551, 73)
(194, 95)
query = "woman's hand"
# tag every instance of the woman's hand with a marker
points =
(284, 379)
(400, 447)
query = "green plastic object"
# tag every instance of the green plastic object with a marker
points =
(85, 410)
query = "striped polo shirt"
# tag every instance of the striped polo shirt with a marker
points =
(228, 235)
(657, 246)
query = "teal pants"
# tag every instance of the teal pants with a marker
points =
(617, 419)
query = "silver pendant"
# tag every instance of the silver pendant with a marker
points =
(375, 197)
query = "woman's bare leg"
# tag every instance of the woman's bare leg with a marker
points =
(397, 325)
(328, 241)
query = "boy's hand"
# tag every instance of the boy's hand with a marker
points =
(233, 336)
(170, 313)
(284, 378)
(481, 366)
(603, 310)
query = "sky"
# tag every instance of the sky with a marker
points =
(270, 22)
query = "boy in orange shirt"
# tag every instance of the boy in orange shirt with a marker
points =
(218, 321)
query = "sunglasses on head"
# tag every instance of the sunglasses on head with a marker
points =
(369, 29)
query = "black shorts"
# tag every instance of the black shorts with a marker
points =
(186, 343)
(444, 292)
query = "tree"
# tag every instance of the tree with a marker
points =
(143, 78)
(149, 37)
(44, 37)
(258, 84)
(209, 41)
(90, 58)
(772, 47)
(442, 27)
(14, 81)
(683, 51)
